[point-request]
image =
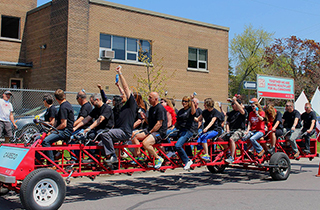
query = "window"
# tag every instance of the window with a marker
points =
(10, 27)
(197, 58)
(126, 49)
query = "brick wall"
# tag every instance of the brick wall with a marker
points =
(171, 41)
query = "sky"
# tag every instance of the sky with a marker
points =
(284, 18)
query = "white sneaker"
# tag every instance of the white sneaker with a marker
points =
(187, 166)
(171, 154)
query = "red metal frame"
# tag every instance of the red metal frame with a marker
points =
(97, 167)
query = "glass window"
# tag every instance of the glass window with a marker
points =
(105, 41)
(145, 51)
(197, 58)
(10, 27)
(125, 48)
(119, 47)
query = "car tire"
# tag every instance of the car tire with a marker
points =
(43, 189)
(32, 130)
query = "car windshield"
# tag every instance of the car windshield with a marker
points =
(35, 111)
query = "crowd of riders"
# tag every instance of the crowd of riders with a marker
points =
(131, 121)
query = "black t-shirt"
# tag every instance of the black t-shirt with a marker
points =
(139, 117)
(185, 120)
(66, 113)
(127, 116)
(84, 112)
(236, 120)
(208, 115)
(50, 112)
(106, 111)
(289, 118)
(278, 118)
(157, 113)
(307, 118)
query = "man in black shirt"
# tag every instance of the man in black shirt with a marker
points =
(103, 115)
(64, 122)
(291, 122)
(236, 122)
(124, 123)
(309, 121)
(157, 128)
(85, 110)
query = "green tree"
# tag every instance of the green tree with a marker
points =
(298, 59)
(155, 77)
(247, 50)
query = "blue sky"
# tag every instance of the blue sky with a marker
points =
(283, 17)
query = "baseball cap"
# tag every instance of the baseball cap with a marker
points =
(8, 92)
(253, 100)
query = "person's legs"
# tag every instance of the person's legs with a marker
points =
(148, 143)
(8, 131)
(293, 138)
(53, 137)
(109, 137)
(254, 138)
(138, 135)
(307, 140)
(184, 136)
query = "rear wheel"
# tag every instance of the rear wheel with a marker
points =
(282, 166)
(43, 189)
(216, 169)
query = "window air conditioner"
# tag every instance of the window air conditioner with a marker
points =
(107, 54)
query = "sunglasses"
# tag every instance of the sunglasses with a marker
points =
(288, 105)
(185, 101)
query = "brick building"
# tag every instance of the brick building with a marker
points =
(75, 44)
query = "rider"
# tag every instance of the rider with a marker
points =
(85, 109)
(64, 122)
(212, 125)
(255, 127)
(187, 127)
(102, 114)
(51, 111)
(236, 122)
(309, 120)
(124, 124)
(291, 122)
(274, 125)
(157, 128)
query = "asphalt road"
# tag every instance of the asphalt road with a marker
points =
(198, 189)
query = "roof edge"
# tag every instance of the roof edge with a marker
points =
(40, 8)
(157, 14)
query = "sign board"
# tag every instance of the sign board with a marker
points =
(11, 157)
(249, 85)
(275, 87)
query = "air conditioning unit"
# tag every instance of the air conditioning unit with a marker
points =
(107, 54)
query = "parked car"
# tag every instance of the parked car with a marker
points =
(25, 120)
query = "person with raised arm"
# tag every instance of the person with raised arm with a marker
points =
(123, 128)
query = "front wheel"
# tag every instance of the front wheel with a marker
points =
(43, 189)
(216, 169)
(280, 166)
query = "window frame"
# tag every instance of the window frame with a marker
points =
(19, 28)
(126, 60)
(205, 62)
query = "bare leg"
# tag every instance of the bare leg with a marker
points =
(205, 148)
(232, 147)
(136, 141)
(148, 143)
(6, 139)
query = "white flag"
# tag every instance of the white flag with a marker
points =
(300, 102)
(315, 101)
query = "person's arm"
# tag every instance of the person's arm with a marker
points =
(240, 107)
(296, 120)
(275, 126)
(103, 95)
(227, 128)
(52, 121)
(83, 122)
(78, 121)
(198, 119)
(63, 124)
(12, 120)
(193, 108)
(157, 126)
(210, 124)
(95, 124)
(248, 129)
(313, 122)
(125, 86)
